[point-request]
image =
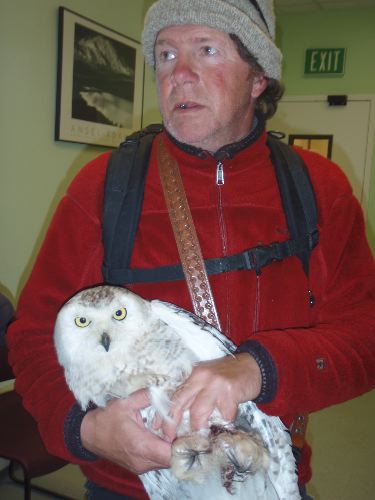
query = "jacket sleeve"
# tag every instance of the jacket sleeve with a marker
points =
(333, 360)
(70, 259)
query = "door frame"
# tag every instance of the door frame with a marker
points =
(369, 158)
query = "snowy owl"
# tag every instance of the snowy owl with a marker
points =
(111, 342)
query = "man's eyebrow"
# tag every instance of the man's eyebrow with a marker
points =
(161, 41)
(200, 39)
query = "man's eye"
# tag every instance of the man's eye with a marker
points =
(209, 51)
(166, 55)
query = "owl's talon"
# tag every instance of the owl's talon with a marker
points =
(191, 457)
(243, 451)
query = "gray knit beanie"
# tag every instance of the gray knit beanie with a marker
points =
(253, 21)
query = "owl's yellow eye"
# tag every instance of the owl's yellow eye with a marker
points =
(81, 321)
(120, 314)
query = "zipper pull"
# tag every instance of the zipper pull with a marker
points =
(219, 174)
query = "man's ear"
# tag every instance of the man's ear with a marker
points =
(260, 83)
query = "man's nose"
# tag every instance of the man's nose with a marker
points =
(185, 71)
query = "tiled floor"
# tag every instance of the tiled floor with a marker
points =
(68, 481)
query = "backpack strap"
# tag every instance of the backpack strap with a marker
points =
(297, 196)
(123, 197)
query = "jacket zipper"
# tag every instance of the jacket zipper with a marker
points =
(219, 173)
(225, 315)
(220, 182)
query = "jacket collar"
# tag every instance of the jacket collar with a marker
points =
(227, 151)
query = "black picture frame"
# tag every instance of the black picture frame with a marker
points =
(100, 78)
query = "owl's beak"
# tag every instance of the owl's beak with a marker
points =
(105, 341)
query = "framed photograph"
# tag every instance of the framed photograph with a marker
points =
(99, 96)
(321, 144)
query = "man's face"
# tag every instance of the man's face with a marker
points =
(206, 91)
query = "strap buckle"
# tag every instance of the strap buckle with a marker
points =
(261, 255)
(313, 239)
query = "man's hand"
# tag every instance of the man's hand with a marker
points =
(117, 433)
(221, 384)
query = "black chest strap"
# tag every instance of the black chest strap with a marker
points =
(124, 191)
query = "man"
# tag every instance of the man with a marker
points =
(304, 343)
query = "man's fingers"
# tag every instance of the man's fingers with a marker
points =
(219, 384)
(117, 433)
(139, 399)
(201, 409)
(181, 400)
(169, 430)
(158, 452)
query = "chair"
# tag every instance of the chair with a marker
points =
(20, 442)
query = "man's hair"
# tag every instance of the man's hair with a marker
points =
(266, 104)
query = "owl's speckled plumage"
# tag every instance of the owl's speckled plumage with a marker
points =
(112, 342)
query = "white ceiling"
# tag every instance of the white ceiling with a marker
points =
(319, 5)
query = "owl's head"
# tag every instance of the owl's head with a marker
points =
(95, 330)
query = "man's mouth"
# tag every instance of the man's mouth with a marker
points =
(187, 105)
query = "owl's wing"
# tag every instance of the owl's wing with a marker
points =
(282, 469)
(202, 338)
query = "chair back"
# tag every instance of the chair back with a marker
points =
(6, 372)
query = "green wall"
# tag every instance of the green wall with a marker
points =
(353, 29)
(343, 436)
(35, 169)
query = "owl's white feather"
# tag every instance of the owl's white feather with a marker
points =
(111, 342)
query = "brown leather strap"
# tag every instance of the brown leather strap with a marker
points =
(186, 238)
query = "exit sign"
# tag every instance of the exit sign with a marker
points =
(325, 62)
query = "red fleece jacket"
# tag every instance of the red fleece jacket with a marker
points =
(321, 355)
